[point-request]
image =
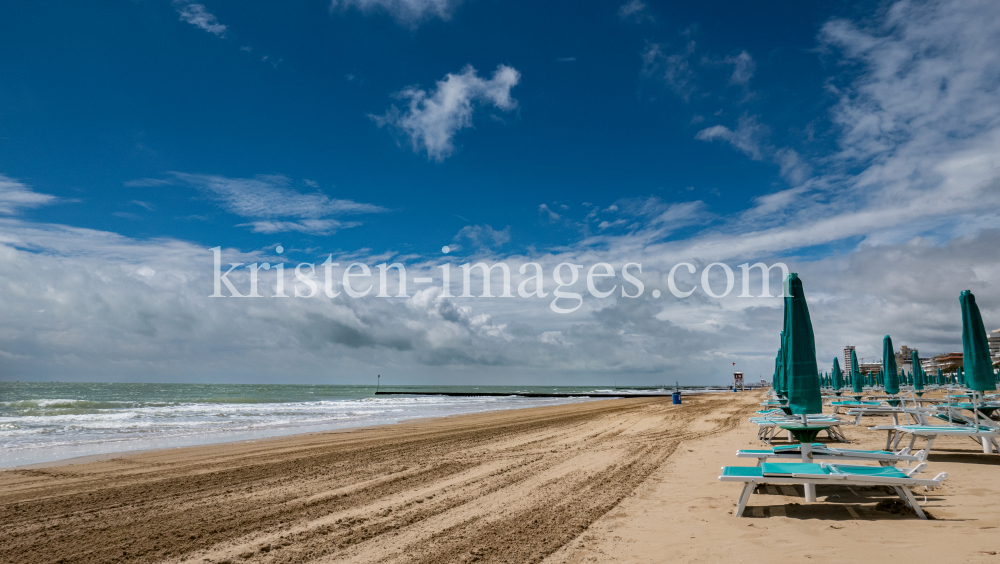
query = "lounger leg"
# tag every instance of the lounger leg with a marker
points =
(907, 496)
(888, 439)
(987, 445)
(810, 492)
(902, 496)
(913, 439)
(744, 498)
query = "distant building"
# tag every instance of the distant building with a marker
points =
(847, 358)
(948, 362)
(870, 367)
(905, 357)
(994, 339)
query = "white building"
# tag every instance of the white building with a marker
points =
(994, 339)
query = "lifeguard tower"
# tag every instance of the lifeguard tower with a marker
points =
(738, 381)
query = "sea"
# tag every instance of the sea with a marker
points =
(50, 421)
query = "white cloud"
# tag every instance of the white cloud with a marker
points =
(16, 196)
(635, 11)
(198, 16)
(147, 182)
(743, 68)
(484, 236)
(311, 226)
(271, 201)
(673, 69)
(432, 119)
(548, 214)
(915, 177)
(793, 169)
(269, 196)
(408, 12)
(748, 137)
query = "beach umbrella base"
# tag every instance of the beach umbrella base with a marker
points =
(805, 434)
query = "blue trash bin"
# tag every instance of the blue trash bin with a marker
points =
(677, 398)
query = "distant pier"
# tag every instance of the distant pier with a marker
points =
(524, 394)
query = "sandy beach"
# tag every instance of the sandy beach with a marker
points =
(631, 480)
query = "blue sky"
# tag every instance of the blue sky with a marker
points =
(95, 97)
(836, 137)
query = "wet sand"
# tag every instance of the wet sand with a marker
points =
(631, 480)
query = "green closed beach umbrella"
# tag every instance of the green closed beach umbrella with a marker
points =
(940, 377)
(774, 378)
(781, 388)
(975, 346)
(857, 379)
(779, 372)
(800, 352)
(838, 376)
(889, 375)
(801, 372)
(918, 375)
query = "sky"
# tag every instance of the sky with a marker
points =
(854, 143)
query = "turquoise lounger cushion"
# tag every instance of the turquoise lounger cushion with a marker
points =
(796, 448)
(948, 429)
(789, 468)
(883, 471)
(742, 471)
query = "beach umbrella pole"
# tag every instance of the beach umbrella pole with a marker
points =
(987, 447)
(806, 448)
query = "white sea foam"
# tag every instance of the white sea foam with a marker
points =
(42, 430)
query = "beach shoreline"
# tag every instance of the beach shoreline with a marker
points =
(100, 457)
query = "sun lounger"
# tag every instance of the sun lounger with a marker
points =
(768, 427)
(827, 453)
(851, 403)
(918, 414)
(985, 435)
(829, 474)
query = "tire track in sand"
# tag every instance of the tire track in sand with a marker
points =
(508, 486)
